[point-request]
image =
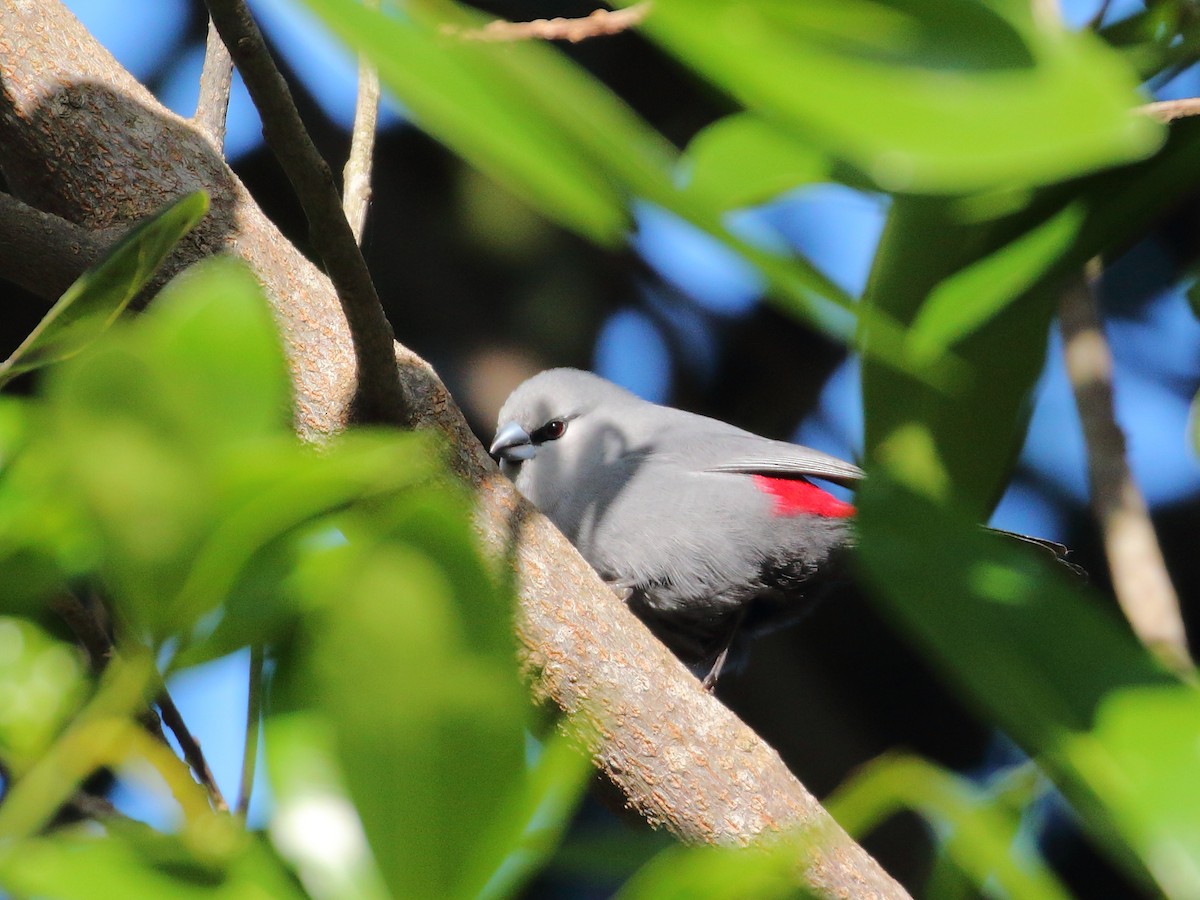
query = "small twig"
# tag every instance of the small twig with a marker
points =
(253, 717)
(1098, 18)
(1139, 574)
(89, 806)
(599, 23)
(378, 397)
(216, 79)
(86, 627)
(1169, 110)
(91, 632)
(356, 176)
(192, 753)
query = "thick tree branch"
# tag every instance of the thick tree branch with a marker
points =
(111, 153)
(378, 397)
(1139, 573)
(216, 80)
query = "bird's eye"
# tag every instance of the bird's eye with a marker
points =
(551, 431)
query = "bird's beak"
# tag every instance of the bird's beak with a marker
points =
(513, 444)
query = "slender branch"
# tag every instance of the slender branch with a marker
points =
(253, 716)
(42, 252)
(356, 176)
(599, 23)
(1097, 18)
(1139, 573)
(92, 634)
(192, 753)
(1169, 110)
(216, 80)
(378, 396)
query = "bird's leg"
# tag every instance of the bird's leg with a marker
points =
(710, 680)
(623, 589)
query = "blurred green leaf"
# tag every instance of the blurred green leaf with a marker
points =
(539, 124)
(458, 91)
(743, 159)
(409, 654)
(975, 830)
(132, 861)
(141, 431)
(42, 685)
(313, 823)
(980, 278)
(90, 305)
(528, 833)
(1057, 102)
(272, 491)
(710, 873)
(1027, 646)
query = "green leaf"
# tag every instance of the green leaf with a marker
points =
(975, 423)
(133, 861)
(42, 684)
(962, 97)
(313, 823)
(742, 160)
(1035, 654)
(142, 431)
(525, 837)
(89, 306)
(409, 654)
(459, 92)
(538, 123)
(691, 873)
(980, 278)
(978, 830)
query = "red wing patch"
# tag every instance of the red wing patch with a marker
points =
(795, 496)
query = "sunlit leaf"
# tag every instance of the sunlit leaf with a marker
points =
(410, 658)
(41, 685)
(1057, 103)
(131, 860)
(1032, 651)
(99, 295)
(977, 831)
(742, 159)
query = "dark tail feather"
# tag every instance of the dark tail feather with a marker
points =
(1060, 551)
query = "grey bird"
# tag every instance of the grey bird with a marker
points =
(712, 534)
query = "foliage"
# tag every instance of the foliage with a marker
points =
(158, 468)
(1013, 156)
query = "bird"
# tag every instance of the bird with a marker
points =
(713, 535)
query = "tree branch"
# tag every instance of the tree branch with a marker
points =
(1139, 573)
(682, 759)
(378, 397)
(599, 23)
(356, 176)
(192, 753)
(93, 635)
(42, 252)
(1167, 111)
(216, 80)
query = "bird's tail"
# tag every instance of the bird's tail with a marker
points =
(1059, 551)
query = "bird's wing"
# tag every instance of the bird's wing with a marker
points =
(752, 455)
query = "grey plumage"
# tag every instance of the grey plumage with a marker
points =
(664, 505)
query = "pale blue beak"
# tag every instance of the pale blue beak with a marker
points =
(513, 444)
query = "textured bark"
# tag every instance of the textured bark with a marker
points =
(80, 138)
